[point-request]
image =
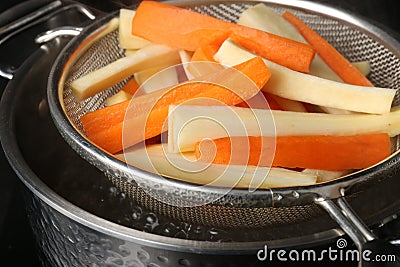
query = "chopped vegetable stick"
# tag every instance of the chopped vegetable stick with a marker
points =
(335, 110)
(306, 88)
(185, 58)
(264, 18)
(363, 66)
(184, 29)
(200, 68)
(129, 52)
(272, 104)
(150, 111)
(119, 97)
(314, 90)
(101, 119)
(347, 72)
(324, 175)
(102, 78)
(142, 75)
(271, 101)
(126, 39)
(131, 86)
(186, 132)
(333, 153)
(252, 41)
(205, 53)
(157, 78)
(289, 105)
(175, 26)
(155, 159)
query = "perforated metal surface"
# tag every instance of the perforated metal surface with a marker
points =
(353, 43)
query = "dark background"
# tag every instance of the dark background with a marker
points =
(16, 241)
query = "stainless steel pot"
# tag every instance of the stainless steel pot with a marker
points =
(80, 218)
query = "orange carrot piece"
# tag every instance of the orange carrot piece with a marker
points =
(131, 86)
(315, 152)
(333, 58)
(205, 53)
(147, 113)
(181, 28)
(99, 120)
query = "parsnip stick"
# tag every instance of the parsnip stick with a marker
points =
(101, 79)
(295, 85)
(126, 39)
(324, 175)
(190, 124)
(119, 97)
(154, 158)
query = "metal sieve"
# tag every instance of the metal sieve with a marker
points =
(355, 38)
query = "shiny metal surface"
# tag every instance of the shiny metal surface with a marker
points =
(298, 200)
(57, 32)
(80, 218)
(30, 17)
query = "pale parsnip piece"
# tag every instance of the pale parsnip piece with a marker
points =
(324, 175)
(314, 90)
(184, 167)
(196, 69)
(302, 87)
(129, 52)
(126, 39)
(188, 125)
(363, 66)
(113, 73)
(119, 97)
(154, 79)
(289, 105)
(185, 60)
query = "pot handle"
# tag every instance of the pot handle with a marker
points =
(367, 243)
(57, 32)
(8, 71)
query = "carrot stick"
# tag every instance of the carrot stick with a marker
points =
(315, 152)
(333, 58)
(205, 53)
(147, 113)
(101, 119)
(131, 86)
(184, 29)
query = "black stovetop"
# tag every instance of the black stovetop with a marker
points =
(16, 240)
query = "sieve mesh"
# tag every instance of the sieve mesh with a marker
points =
(353, 43)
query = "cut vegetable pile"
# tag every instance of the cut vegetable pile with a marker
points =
(208, 101)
